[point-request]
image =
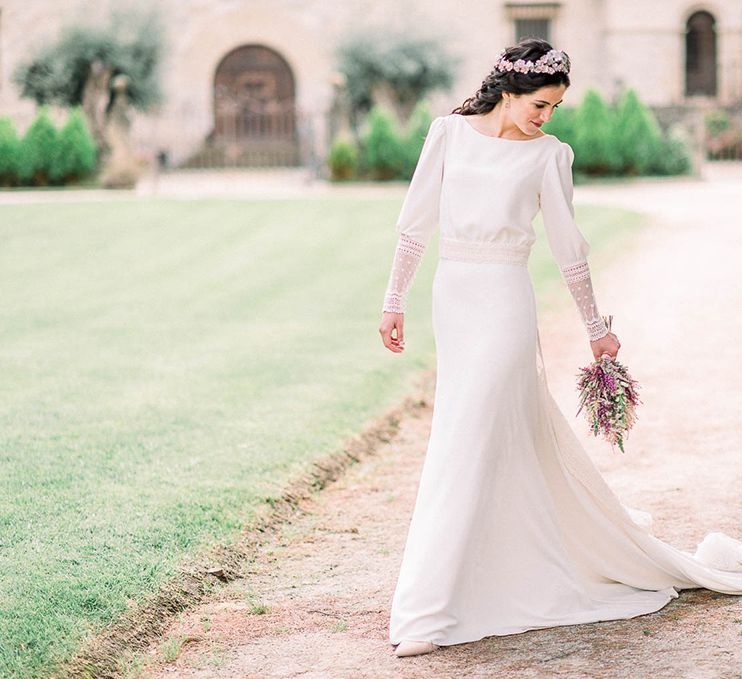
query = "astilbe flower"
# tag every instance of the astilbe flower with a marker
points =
(608, 394)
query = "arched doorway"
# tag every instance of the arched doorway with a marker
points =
(700, 54)
(255, 109)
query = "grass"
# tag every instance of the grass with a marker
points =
(171, 648)
(167, 367)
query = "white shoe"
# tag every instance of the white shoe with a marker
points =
(405, 648)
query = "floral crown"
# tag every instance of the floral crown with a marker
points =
(551, 62)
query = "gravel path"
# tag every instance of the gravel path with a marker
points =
(316, 601)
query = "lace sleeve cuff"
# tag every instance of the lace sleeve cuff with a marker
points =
(407, 257)
(578, 280)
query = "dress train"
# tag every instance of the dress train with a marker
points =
(514, 528)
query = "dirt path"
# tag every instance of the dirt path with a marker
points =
(316, 600)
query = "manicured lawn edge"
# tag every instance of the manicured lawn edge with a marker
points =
(104, 653)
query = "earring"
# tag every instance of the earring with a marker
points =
(507, 104)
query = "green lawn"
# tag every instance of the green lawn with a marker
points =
(166, 367)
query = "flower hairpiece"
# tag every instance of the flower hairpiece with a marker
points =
(551, 62)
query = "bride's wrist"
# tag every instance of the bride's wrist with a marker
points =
(601, 337)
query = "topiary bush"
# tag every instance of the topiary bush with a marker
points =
(413, 139)
(37, 149)
(594, 136)
(44, 155)
(619, 140)
(638, 137)
(342, 160)
(562, 123)
(75, 153)
(673, 157)
(10, 153)
(383, 152)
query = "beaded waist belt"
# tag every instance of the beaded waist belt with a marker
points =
(467, 251)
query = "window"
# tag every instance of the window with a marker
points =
(532, 20)
(532, 28)
(700, 55)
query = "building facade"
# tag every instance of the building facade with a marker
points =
(262, 73)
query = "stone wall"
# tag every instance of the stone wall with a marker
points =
(610, 42)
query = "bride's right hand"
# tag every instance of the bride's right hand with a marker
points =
(389, 322)
(608, 344)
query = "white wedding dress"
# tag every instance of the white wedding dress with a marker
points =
(513, 527)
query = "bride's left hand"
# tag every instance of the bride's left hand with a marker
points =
(608, 344)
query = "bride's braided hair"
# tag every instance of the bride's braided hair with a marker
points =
(497, 82)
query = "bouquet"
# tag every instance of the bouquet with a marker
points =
(609, 397)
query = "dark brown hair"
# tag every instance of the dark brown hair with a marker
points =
(514, 82)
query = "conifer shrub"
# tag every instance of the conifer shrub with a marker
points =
(37, 150)
(638, 137)
(342, 159)
(621, 140)
(594, 141)
(383, 152)
(10, 153)
(414, 137)
(75, 152)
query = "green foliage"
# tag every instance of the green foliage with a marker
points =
(389, 151)
(624, 139)
(638, 135)
(75, 153)
(672, 157)
(563, 123)
(383, 150)
(10, 152)
(412, 67)
(130, 44)
(342, 159)
(44, 155)
(595, 136)
(37, 149)
(723, 135)
(717, 121)
(413, 140)
(386, 151)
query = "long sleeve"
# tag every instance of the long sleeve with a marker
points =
(567, 244)
(418, 218)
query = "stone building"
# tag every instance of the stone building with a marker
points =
(260, 74)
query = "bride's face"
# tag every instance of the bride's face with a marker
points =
(530, 111)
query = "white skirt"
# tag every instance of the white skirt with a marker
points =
(514, 527)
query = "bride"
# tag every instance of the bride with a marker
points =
(513, 528)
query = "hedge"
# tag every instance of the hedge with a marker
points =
(44, 155)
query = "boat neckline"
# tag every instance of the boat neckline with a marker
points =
(489, 136)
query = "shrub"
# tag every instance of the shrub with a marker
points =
(716, 122)
(723, 136)
(638, 137)
(37, 149)
(383, 151)
(414, 138)
(75, 152)
(563, 123)
(673, 157)
(10, 152)
(342, 159)
(594, 146)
